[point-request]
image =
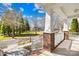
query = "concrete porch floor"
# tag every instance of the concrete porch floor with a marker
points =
(66, 48)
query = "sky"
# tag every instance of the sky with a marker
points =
(29, 10)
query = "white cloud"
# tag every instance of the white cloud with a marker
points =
(29, 17)
(10, 8)
(21, 9)
(39, 18)
(24, 16)
(36, 6)
(7, 4)
(40, 11)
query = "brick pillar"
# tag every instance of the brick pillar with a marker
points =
(66, 35)
(48, 41)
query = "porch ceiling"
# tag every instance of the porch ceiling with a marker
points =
(65, 10)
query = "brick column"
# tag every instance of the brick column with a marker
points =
(48, 35)
(66, 35)
(48, 41)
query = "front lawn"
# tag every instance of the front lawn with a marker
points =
(4, 37)
(32, 32)
(28, 33)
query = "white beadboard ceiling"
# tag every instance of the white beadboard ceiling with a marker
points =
(65, 10)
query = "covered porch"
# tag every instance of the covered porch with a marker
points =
(56, 37)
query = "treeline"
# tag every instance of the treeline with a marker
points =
(13, 23)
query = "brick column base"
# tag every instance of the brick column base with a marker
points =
(48, 41)
(66, 35)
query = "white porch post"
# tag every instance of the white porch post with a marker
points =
(66, 32)
(48, 23)
(48, 36)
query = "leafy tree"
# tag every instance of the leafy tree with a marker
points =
(3, 30)
(9, 22)
(8, 30)
(13, 24)
(26, 23)
(74, 25)
(22, 26)
(20, 21)
(0, 27)
(23, 23)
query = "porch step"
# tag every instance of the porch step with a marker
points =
(75, 46)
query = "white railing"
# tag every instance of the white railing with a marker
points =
(73, 33)
(74, 36)
(59, 36)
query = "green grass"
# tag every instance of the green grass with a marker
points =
(4, 38)
(21, 36)
(8, 38)
(32, 32)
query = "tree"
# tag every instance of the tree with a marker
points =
(74, 25)
(21, 26)
(3, 30)
(35, 27)
(9, 22)
(26, 24)
(8, 30)
(0, 27)
(13, 24)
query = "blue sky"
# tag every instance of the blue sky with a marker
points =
(29, 10)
